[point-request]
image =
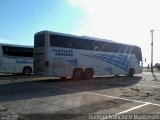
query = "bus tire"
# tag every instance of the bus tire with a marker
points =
(63, 78)
(88, 74)
(27, 70)
(14, 74)
(131, 72)
(77, 74)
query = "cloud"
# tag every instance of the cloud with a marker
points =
(76, 2)
(127, 21)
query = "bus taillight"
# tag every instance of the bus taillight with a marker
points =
(47, 63)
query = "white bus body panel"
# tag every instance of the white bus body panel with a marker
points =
(62, 62)
(15, 65)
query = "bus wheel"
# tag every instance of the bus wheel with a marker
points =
(116, 76)
(77, 74)
(27, 70)
(88, 73)
(131, 72)
(63, 78)
(14, 74)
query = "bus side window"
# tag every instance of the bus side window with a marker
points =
(17, 51)
(70, 45)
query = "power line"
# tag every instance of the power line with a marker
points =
(17, 32)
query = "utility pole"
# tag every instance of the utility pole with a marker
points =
(152, 50)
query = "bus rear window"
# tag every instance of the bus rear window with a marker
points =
(39, 40)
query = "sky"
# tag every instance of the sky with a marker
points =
(125, 21)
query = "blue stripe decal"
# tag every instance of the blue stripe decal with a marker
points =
(109, 69)
(73, 62)
(119, 60)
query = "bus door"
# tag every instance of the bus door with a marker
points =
(39, 61)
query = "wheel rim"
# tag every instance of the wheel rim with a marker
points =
(27, 71)
(88, 74)
(77, 74)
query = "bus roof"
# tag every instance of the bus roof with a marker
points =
(15, 45)
(84, 37)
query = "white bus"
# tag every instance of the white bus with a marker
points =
(16, 59)
(64, 55)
